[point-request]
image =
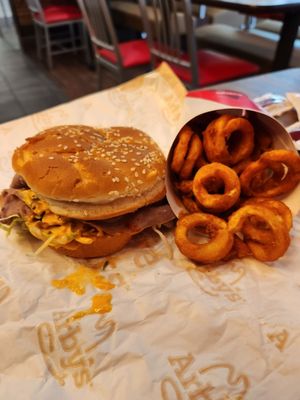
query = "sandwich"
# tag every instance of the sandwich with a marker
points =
(84, 191)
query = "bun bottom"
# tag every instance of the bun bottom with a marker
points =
(101, 247)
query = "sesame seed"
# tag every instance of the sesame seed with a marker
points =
(51, 158)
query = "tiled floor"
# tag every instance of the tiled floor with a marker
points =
(24, 87)
(27, 86)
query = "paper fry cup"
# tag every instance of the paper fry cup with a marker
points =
(261, 123)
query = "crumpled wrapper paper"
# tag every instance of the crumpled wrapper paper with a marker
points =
(175, 332)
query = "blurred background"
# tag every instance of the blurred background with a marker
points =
(30, 82)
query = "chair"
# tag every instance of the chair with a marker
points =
(5, 13)
(257, 44)
(195, 68)
(125, 59)
(46, 19)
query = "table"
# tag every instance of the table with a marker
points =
(279, 82)
(289, 8)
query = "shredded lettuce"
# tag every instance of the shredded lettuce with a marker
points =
(45, 244)
(52, 229)
(165, 242)
(8, 228)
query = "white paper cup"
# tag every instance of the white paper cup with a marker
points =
(261, 122)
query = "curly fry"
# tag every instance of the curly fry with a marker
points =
(190, 204)
(214, 201)
(194, 152)
(265, 249)
(185, 186)
(257, 181)
(220, 239)
(181, 149)
(228, 139)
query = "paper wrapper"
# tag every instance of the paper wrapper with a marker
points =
(175, 332)
(260, 121)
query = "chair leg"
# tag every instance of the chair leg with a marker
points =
(99, 71)
(3, 9)
(121, 75)
(48, 49)
(85, 44)
(72, 35)
(38, 41)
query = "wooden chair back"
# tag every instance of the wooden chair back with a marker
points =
(35, 8)
(97, 17)
(165, 21)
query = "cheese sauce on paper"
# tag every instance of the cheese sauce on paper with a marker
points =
(77, 282)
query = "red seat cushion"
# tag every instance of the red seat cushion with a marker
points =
(214, 67)
(133, 53)
(54, 14)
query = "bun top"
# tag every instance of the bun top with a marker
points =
(82, 164)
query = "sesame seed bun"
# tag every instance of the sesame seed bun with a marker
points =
(89, 173)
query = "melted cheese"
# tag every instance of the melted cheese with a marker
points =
(77, 283)
(53, 219)
(33, 202)
(101, 304)
(44, 224)
(62, 234)
(83, 276)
